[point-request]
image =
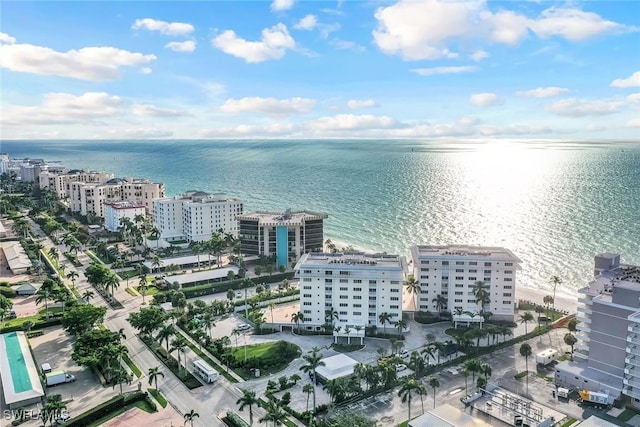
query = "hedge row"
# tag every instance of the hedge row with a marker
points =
(106, 408)
(170, 362)
(37, 325)
(233, 420)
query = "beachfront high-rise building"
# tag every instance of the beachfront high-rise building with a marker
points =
(59, 180)
(286, 235)
(115, 211)
(607, 354)
(452, 271)
(89, 198)
(358, 287)
(196, 215)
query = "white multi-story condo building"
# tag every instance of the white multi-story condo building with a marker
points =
(115, 211)
(452, 271)
(359, 287)
(89, 198)
(607, 354)
(60, 180)
(285, 235)
(196, 215)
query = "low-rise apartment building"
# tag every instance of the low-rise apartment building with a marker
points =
(59, 180)
(114, 212)
(358, 287)
(195, 216)
(285, 235)
(452, 271)
(607, 354)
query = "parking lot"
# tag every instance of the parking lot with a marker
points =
(26, 305)
(226, 325)
(55, 347)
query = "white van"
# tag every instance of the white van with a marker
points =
(46, 368)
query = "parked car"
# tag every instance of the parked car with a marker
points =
(239, 294)
(403, 354)
(12, 315)
(63, 418)
(401, 367)
(243, 327)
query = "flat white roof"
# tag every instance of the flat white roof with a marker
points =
(20, 379)
(182, 260)
(336, 366)
(350, 260)
(489, 253)
(200, 276)
(447, 416)
(282, 218)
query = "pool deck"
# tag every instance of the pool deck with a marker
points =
(20, 378)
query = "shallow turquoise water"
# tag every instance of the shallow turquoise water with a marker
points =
(554, 204)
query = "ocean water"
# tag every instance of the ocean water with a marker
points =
(554, 204)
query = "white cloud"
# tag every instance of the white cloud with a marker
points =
(250, 131)
(146, 70)
(65, 108)
(354, 104)
(347, 45)
(153, 111)
(573, 24)
(342, 122)
(484, 99)
(479, 55)
(633, 123)
(444, 70)
(274, 44)
(424, 29)
(6, 38)
(140, 133)
(543, 92)
(185, 46)
(573, 107)
(632, 81)
(167, 28)
(272, 106)
(634, 98)
(308, 23)
(89, 63)
(279, 5)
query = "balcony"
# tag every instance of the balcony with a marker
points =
(633, 350)
(584, 319)
(633, 328)
(582, 346)
(630, 371)
(585, 310)
(584, 328)
(583, 338)
(585, 301)
(633, 339)
(632, 382)
(632, 361)
(581, 355)
(632, 392)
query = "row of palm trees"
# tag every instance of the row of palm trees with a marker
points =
(216, 245)
(410, 386)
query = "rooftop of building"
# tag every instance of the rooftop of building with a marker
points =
(346, 259)
(452, 251)
(286, 217)
(123, 205)
(623, 276)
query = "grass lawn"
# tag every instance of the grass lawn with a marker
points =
(52, 310)
(151, 290)
(136, 371)
(131, 292)
(159, 397)
(521, 374)
(569, 422)
(627, 414)
(270, 358)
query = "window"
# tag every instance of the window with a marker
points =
(306, 279)
(508, 264)
(459, 262)
(342, 288)
(508, 279)
(344, 297)
(328, 273)
(424, 262)
(459, 270)
(343, 313)
(506, 302)
(487, 264)
(459, 293)
(344, 273)
(459, 285)
(445, 262)
(328, 280)
(508, 287)
(506, 294)
(393, 307)
(472, 278)
(457, 300)
(306, 271)
(344, 280)
(372, 298)
(307, 295)
(424, 269)
(306, 311)
(473, 271)
(357, 297)
(473, 263)
(327, 289)
(395, 299)
(445, 277)
(307, 288)
(487, 272)
(357, 305)
(373, 282)
(397, 282)
(357, 289)
(344, 304)
(372, 314)
(357, 281)
(357, 313)
(508, 272)
(306, 303)
(372, 306)
(395, 291)
(459, 277)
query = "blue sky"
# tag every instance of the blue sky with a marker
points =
(315, 69)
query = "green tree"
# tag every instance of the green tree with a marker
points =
(180, 345)
(82, 317)
(572, 325)
(73, 276)
(525, 318)
(307, 389)
(408, 387)
(384, 318)
(154, 374)
(555, 281)
(441, 304)
(297, 318)
(313, 360)
(525, 351)
(434, 383)
(248, 399)
(45, 293)
(400, 326)
(275, 413)
(190, 417)
(413, 288)
(570, 340)
(481, 293)
(148, 319)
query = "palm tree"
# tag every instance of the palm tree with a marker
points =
(400, 326)
(314, 360)
(347, 330)
(179, 345)
(570, 340)
(547, 300)
(54, 254)
(154, 373)
(486, 371)
(472, 366)
(331, 316)
(441, 304)
(434, 383)
(143, 285)
(481, 293)
(72, 275)
(112, 281)
(384, 318)
(45, 293)
(525, 351)
(465, 373)
(190, 417)
(275, 413)
(408, 386)
(428, 352)
(359, 328)
(413, 287)
(248, 399)
(525, 318)
(308, 389)
(156, 263)
(87, 295)
(555, 281)
(337, 330)
(297, 318)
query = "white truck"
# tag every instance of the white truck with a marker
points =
(58, 377)
(592, 398)
(546, 356)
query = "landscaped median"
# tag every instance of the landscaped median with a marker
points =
(183, 375)
(207, 359)
(112, 408)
